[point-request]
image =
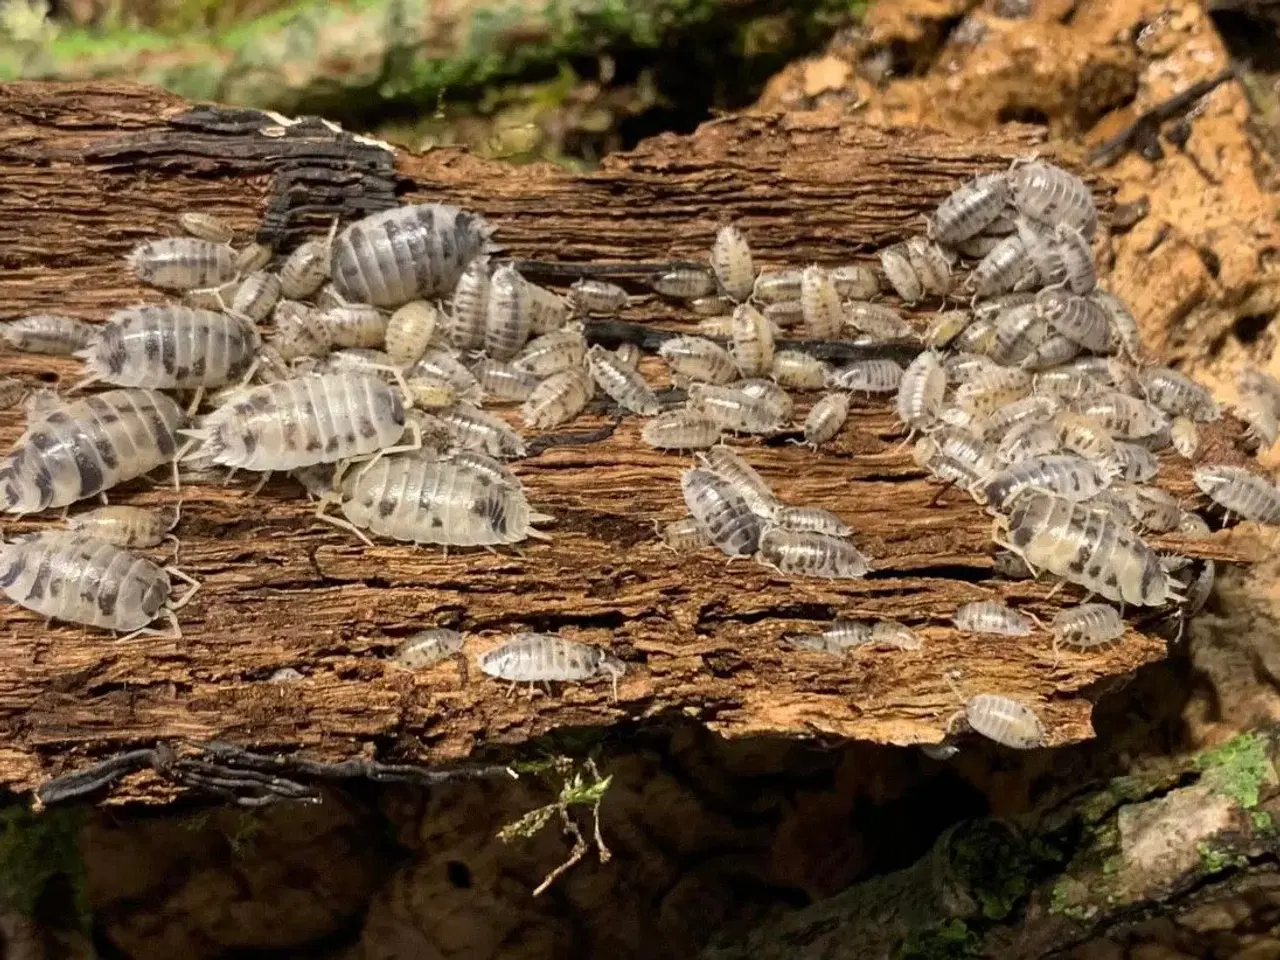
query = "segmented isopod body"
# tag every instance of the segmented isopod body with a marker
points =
(470, 307)
(713, 306)
(407, 253)
(628, 354)
(1018, 331)
(557, 399)
(867, 376)
(1136, 464)
(443, 365)
(811, 555)
(1084, 436)
(1051, 352)
(799, 370)
(1122, 325)
(1000, 269)
(597, 296)
(358, 325)
(1260, 418)
(418, 500)
(988, 616)
(553, 352)
(979, 337)
(1077, 258)
(1044, 253)
(624, 385)
(205, 226)
(930, 264)
(298, 333)
(752, 347)
(1240, 492)
(729, 522)
(820, 304)
(357, 360)
(183, 263)
(1027, 440)
(1007, 722)
(432, 393)
(946, 327)
(684, 283)
(783, 315)
(1026, 410)
(1067, 476)
(740, 475)
(473, 429)
(305, 420)
(826, 418)
(427, 648)
(1087, 625)
(125, 526)
(548, 310)
(305, 270)
(86, 447)
(48, 333)
(502, 381)
(965, 447)
(921, 390)
(253, 256)
(901, 275)
(1087, 548)
(992, 388)
(681, 430)
(810, 519)
(1052, 195)
(731, 262)
(854, 281)
(733, 409)
(170, 347)
(531, 657)
(1079, 319)
(1178, 395)
(969, 208)
(699, 359)
(69, 576)
(256, 296)
(684, 535)
(508, 319)
(774, 286)
(1185, 437)
(879, 322)
(410, 330)
(1150, 508)
(1121, 415)
(838, 637)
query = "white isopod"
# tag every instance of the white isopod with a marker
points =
(1239, 491)
(427, 648)
(921, 391)
(1087, 625)
(810, 554)
(799, 370)
(900, 273)
(810, 520)
(698, 358)
(988, 616)
(969, 208)
(826, 418)
(305, 270)
(684, 283)
(752, 348)
(820, 304)
(681, 429)
(205, 226)
(49, 333)
(410, 331)
(473, 429)
(867, 376)
(753, 488)
(729, 523)
(532, 657)
(1052, 195)
(183, 263)
(502, 381)
(557, 399)
(1005, 721)
(508, 318)
(1178, 395)
(126, 526)
(553, 352)
(597, 296)
(470, 307)
(256, 296)
(356, 326)
(684, 535)
(624, 385)
(731, 262)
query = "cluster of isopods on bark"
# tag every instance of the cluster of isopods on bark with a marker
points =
(363, 361)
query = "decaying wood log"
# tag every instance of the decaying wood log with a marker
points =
(87, 171)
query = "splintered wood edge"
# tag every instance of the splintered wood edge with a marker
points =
(700, 635)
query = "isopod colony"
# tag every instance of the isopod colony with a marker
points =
(362, 364)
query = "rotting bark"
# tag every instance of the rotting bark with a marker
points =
(90, 170)
(1188, 835)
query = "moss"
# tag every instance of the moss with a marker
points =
(953, 941)
(1239, 768)
(38, 850)
(1215, 860)
(1262, 821)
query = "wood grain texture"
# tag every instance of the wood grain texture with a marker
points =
(87, 171)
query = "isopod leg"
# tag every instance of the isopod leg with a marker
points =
(187, 579)
(195, 401)
(338, 522)
(257, 487)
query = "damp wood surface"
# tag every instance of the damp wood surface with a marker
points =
(88, 171)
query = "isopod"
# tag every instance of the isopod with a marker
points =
(473, 429)
(597, 296)
(783, 315)
(733, 409)
(427, 648)
(684, 535)
(502, 381)
(253, 256)
(681, 429)
(898, 270)
(684, 283)
(81, 449)
(548, 311)
(968, 209)
(946, 327)
(470, 308)
(1136, 464)
(713, 306)
(624, 385)
(530, 657)
(820, 304)
(1079, 319)
(1122, 416)
(799, 370)
(1052, 195)
(554, 352)
(810, 554)
(1000, 269)
(992, 388)
(508, 320)
(628, 354)
(183, 263)
(881, 323)
(811, 520)
(1240, 492)
(48, 333)
(930, 265)
(557, 399)
(1178, 395)
(406, 253)
(1044, 253)
(988, 616)
(1077, 258)
(256, 295)
(1087, 625)
(730, 524)
(753, 488)
(1027, 440)
(921, 391)
(125, 526)
(298, 333)
(66, 575)
(867, 376)
(1123, 335)
(443, 365)
(1005, 721)
(410, 331)
(752, 348)
(854, 281)
(1065, 475)
(205, 226)
(773, 286)
(1185, 437)
(356, 326)
(826, 418)
(305, 270)
(731, 262)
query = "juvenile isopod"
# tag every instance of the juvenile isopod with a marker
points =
(1123, 416)
(253, 256)
(470, 307)
(733, 409)
(1079, 319)
(356, 326)
(752, 348)
(820, 304)
(83, 448)
(548, 310)
(473, 429)
(988, 616)
(256, 296)
(66, 575)
(410, 331)
(298, 333)
(183, 263)
(684, 535)
(125, 526)
(1087, 548)
(773, 286)
(597, 296)
(992, 388)
(48, 333)
(921, 391)
(553, 352)
(305, 270)
(427, 648)
(810, 520)
(205, 226)
(901, 275)
(1026, 410)
(624, 385)
(732, 264)
(838, 637)
(881, 323)
(799, 370)
(713, 306)
(1053, 351)
(1185, 437)
(867, 376)
(1135, 464)
(753, 488)
(729, 523)
(1084, 436)
(681, 429)
(432, 393)
(443, 365)
(1259, 415)
(297, 422)
(1178, 395)
(1000, 269)
(364, 360)
(557, 399)
(1077, 258)
(1052, 195)
(854, 281)
(697, 358)
(969, 208)
(783, 315)
(930, 265)
(684, 283)
(533, 657)
(1240, 492)
(406, 253)
(826, 418)
(1005, 721)
(810, 554)
(502, 381)
(1087, 625)
(508, 318)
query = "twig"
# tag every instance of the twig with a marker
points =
(1147, 126)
